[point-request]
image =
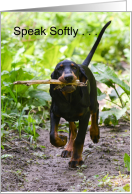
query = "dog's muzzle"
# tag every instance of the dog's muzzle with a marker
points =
(69, 78)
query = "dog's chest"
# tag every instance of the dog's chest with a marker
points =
(71, 111)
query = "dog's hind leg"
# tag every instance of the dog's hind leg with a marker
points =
(69, 149)
(94, 129)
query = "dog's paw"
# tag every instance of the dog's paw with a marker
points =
(66, 154)
(94, 134)
(58, 141)
(95, 139)
(63, 138)
(75, 163)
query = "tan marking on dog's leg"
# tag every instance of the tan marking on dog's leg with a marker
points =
(94, 129)
(69, 149)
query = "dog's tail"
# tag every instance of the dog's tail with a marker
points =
(90, 55)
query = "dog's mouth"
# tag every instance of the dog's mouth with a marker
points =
(68, 88)
(67, 78)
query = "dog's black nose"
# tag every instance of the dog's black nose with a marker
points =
(68, 78)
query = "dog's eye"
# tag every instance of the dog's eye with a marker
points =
(60, 67)
(74, 67)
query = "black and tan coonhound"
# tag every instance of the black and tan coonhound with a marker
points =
(73, 104)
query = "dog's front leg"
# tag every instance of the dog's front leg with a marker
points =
(69, 149)
(76, 158)
(55, 139)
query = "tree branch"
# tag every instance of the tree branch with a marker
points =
(50, 81)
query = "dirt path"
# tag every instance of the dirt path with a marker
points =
(42, 169)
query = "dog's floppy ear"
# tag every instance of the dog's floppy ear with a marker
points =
(82, 76)
(52, 86)
(53, 75)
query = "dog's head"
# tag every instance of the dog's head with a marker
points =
(67, 72)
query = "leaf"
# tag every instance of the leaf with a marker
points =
(84, 166)
(127, 161)
(127, 187)
(85, 190)
(18, 57)
(4, 72)
(2, 147)
(114, 95)
(117, 112)
(100, 183)
(97, 57)
(42, 146)
(119, 189)
(108, 76)
(6, 156)
(96, 176)
(106, 116)
(3, 125)
(51, 56)
(30, 50)
(36, 135)
(6, 60)
(127, 54)
(113, 119)
(5, 115)
(100, 95)
(12, 94)
(40, 95)
(100, 78)
(71, 47)
(63, 130)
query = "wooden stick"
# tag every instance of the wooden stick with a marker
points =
(50, 81)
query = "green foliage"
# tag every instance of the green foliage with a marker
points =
(112, 181)
(48, 50)
(6, 156)
(100, 95)
(39, 97)
(110, 79)
(105, 181)
(126, 188)
(111, 115)
(127, 161)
